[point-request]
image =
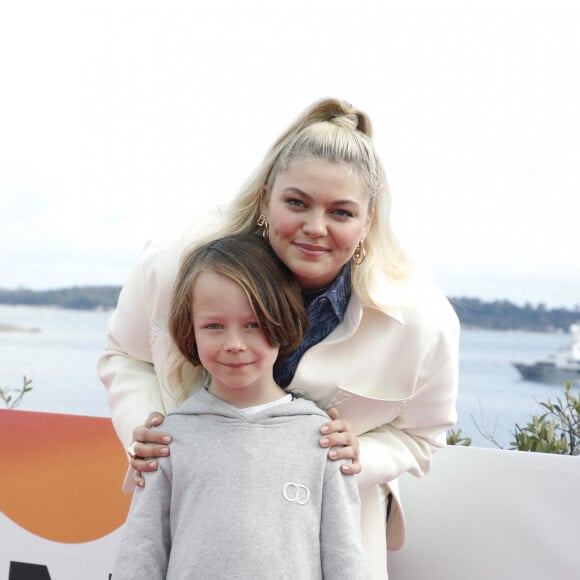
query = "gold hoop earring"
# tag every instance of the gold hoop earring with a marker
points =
(263, 223)
(359, 254)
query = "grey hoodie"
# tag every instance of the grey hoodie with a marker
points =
(245, 497)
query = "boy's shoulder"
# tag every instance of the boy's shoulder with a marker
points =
(307, 411)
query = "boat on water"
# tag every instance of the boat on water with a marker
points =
(557, 367)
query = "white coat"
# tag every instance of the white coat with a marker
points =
(391, 373)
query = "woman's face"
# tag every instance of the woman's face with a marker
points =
(318, 213)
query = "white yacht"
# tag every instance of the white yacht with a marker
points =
(557, 367)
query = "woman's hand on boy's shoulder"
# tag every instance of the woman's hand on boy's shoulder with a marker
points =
(343, 443)
(148, 444)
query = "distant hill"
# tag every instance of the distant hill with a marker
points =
(76, 298)
(504, 315)
(472, 312)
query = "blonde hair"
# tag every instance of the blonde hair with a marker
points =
(270, 286)
(336, 132)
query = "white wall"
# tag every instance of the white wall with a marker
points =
(485, 514)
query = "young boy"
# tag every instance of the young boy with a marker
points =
(247, 492)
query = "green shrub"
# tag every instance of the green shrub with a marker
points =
(12, 397)
(454, 438)
(555, 431)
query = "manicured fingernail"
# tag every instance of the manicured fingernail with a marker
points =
(324, 429)
(324, 442)
(332, 454)
(166, 439)
(345, 469)
(164, 451)
(153, 465)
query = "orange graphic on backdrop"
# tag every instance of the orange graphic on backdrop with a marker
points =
(61, 475)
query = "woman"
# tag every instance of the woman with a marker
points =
(382, 346)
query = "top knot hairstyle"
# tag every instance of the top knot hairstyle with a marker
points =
(272, 291)
(336, 132)
(333, 111)
(347, 121)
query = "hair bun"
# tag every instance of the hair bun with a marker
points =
(342, 114)
(348, 121)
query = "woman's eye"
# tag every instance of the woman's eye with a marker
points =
(295, 202)
(343, 213)
(253, 325)
(213, 326)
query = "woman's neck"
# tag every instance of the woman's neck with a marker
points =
(310, 294)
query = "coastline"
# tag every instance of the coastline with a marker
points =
(473, 313)
(17, 328)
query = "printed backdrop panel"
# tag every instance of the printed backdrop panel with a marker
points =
(60, 493)
(50, 560)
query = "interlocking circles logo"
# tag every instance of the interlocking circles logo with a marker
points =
(296, 493)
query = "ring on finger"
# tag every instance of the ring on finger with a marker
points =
(131, 450)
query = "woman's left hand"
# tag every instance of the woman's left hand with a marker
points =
(342, 441)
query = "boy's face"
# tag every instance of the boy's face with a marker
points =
(230, 342)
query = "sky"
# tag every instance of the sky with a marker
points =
(121, 121)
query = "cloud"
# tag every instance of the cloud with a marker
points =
(125, 119)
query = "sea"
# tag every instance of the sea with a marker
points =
(59, 350)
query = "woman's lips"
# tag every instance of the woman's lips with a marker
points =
(311, 249)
